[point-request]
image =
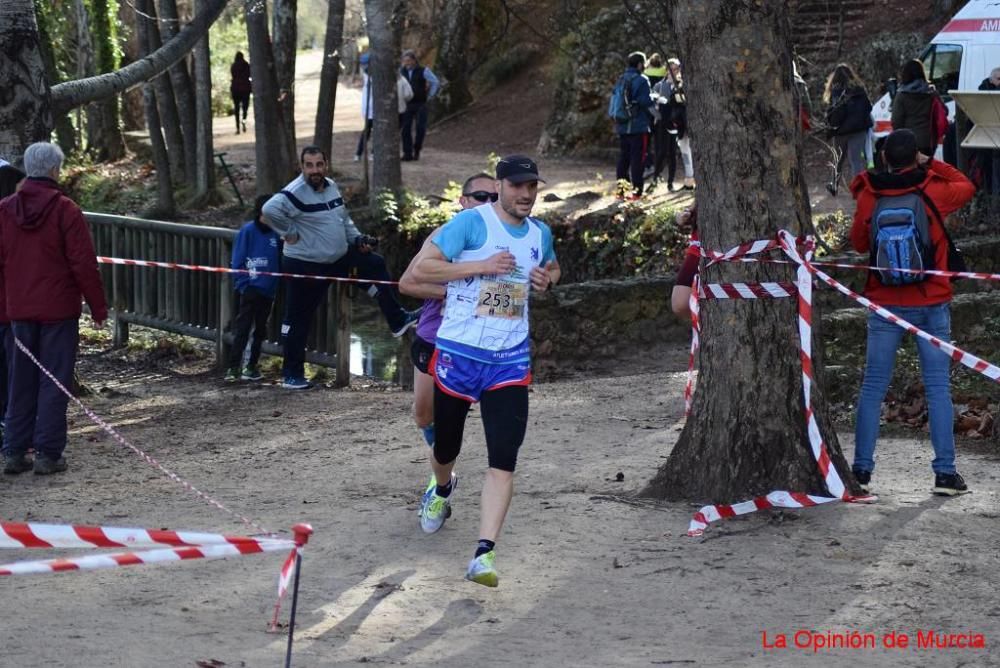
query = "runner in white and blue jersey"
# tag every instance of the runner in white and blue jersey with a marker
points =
(491, 258)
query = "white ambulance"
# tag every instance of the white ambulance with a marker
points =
(958, 58)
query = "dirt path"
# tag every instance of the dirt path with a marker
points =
(588, 577)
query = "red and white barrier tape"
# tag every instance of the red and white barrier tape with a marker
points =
(746, 290)
(121, 439)
(844, 265)
(184, 545)
(228, 270)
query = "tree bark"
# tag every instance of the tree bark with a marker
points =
(384, 31)
(25, 112)
(165, 204)
(329, 76)
(84, 60)
(274, 166)
(65, 132)
(166, 105)
(180, 82)
(747, 435)
(285, 33)
(205, 152)
(105, 140)
(452, 63)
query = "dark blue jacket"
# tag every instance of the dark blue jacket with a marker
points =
(638, 94)
(256, 249)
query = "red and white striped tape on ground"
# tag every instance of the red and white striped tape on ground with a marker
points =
(228, 270)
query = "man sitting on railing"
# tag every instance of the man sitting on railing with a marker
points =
(321, 240)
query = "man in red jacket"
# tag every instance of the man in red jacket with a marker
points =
(941, 190)
(48, 262)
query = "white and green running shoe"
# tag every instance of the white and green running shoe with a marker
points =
(434, 509)
(482, 570)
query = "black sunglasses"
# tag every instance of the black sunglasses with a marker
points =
(482, 196)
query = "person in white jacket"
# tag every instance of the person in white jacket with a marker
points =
(404, 93)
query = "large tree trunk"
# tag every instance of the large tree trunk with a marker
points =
(84, 58)
(329, 77)
(385, 18)
(104, 132)
(274, 166)
(747, 434)
(65, 132)
(205, 153)
(165, 206)
(452, 63)
(25, 112)
(180, 82)
(285, 35)
(170, 119)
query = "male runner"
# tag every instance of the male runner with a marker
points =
(483, 348)
(477, 189)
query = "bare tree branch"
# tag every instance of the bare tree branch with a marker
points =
(71, 94)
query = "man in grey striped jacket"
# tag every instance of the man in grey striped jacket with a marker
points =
(322, 240)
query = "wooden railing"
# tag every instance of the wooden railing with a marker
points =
(198, 303)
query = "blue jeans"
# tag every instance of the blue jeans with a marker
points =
(883, 341)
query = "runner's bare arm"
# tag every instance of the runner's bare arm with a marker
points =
(435, 268)
(542, 278)
(409, 285)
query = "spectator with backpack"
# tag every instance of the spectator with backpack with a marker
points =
(848, 117)
(899, 221)
(918, 107)
(630, 108)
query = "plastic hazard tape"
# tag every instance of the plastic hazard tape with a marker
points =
(746, 290)
(183, 546)
(975, 275)
(228, 270)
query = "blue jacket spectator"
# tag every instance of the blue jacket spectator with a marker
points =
(639, 94)
(256, 249)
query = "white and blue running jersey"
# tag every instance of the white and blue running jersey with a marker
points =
(486, 316)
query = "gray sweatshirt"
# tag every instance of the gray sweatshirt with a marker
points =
(320, 219)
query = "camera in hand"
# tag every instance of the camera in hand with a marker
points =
(366, 240)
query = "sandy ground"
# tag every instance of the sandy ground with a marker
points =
(589, 576)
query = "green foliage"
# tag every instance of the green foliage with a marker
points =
(412, 215)
(95, 189)
(104, 27)
(634, 241)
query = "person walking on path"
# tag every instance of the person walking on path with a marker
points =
(848, 117)
(477, 190)
(491, 257)
(240, 88)
(321, 240)
(425, 86)
(48, 263)
(256, 249)
(911, 200)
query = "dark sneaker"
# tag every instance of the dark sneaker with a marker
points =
(47, 466)
(293, 383)
(949, 484)
(232, 375)
(251, 373)
(864, 479)
(409, 320)
(14, 464)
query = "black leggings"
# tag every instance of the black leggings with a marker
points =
(505, 419)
